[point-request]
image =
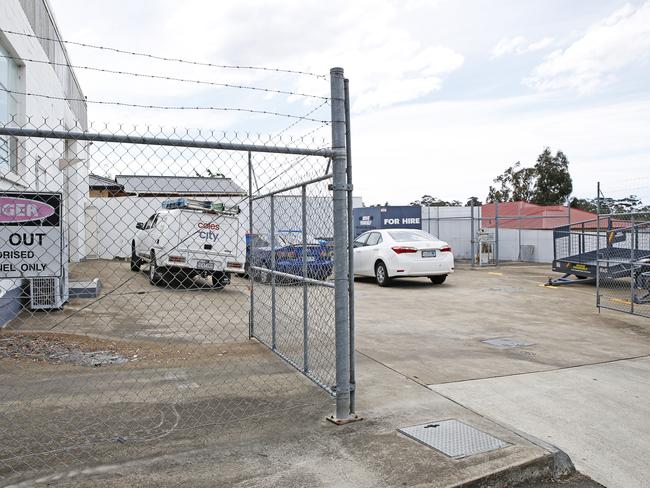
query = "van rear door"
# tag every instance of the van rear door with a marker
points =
(209, 241)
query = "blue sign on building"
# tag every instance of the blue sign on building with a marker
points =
(392, 217)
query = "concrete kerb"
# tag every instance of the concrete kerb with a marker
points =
(554, 465)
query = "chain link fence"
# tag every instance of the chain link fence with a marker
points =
(156, 282)
(623, 257)
(494, 234)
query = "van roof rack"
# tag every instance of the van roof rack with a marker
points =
(208, 206)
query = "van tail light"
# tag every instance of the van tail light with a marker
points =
(445, 249)
(233, 264)
(404, 250)
(176, 259)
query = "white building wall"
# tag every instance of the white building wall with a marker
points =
(453, 225)
(33, 158)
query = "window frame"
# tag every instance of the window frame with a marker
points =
(9, 168)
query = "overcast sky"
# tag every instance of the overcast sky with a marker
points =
(446, 93)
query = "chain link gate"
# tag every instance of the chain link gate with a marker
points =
(159, 283)
(623, 262)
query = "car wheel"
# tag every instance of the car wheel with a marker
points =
(381, 274)
(438, 280)
(154, 275)
(135, 260)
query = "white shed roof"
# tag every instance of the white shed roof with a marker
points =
(194, 185)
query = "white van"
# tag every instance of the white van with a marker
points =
(186, 241)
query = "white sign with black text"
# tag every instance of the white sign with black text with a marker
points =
(31, 235)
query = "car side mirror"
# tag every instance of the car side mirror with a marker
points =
(139, 225)
(358, 244)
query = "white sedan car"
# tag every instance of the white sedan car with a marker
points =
(394, 253)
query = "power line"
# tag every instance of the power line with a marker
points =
(165, 107)
(167, 78)
(165, 58)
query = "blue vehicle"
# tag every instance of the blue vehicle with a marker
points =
(289, 253)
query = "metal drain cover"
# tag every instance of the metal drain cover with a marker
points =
(453, 438)
(507, 342)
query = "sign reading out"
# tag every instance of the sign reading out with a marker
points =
(31, 234)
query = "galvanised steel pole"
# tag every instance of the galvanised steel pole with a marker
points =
(471, 231)
(348, 154)
(273, 311)
(340, 190)
(633, 243)
(496, 233)
(598, 246)
(305, 296)
(251, 315)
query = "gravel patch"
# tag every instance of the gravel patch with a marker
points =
(55, 350)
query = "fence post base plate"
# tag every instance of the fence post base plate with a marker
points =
(347, 420)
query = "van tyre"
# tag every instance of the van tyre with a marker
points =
(154, 271)
(219, 280)
(438, 280)
(136, 262)
(381, 274)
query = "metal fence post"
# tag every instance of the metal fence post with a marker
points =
(348, 154)
(471, 230)
(340, 189)
(496, 233)
(519, 233)
(633, 243)
(249, 248)
(273, 317)
(305, 298)
(598, 246)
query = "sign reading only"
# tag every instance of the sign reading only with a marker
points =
(30, 234)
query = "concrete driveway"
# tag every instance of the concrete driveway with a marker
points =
(599, 415)
(165, 418)
(558, 369)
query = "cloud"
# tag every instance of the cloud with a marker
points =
(518, 45)
(468, 143)
(594, 60)
(386, 60)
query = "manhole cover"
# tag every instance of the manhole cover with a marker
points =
(507, 342)
(454, 438)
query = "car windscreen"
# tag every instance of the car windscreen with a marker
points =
(411, 235)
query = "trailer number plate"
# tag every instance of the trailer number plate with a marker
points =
(204, 264)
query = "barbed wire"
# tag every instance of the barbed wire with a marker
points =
(293, 124)
(168, 59)
(167, 78)
(164, 107)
